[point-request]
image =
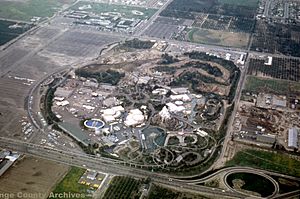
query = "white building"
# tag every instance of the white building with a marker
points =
(135, 117)
(62, 103)
(173, 108)
(181, 97)
(293, 138)
(181, 90)
(111, 114)
(269, 62)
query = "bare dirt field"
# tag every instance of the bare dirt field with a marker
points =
(12, 98)
(32, 175)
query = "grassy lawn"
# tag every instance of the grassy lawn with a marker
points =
(25, 10)
(248, 3)
(257, 84)
(277, 162)
(221, 38)
(70, 183)
(125, 11)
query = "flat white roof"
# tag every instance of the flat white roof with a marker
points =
(293, 138)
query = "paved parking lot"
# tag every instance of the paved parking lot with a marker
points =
(79, 43)
(163, 31)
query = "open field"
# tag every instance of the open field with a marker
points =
(272, 161)
(239, 40)
(31, 175)
(181, 9)
(11, 102)
(247, 3)
(125, 11)
(11, 57)
(70, 183)
(256, 84)
(25, 10)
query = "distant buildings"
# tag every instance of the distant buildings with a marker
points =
(270, 101)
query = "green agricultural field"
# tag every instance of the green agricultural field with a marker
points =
(7, 34)
(220, 38)
(70, 184)
(272, 161)
(125, 11)
(257, 84)
(122, 187)
(248, 3)
(25, 10)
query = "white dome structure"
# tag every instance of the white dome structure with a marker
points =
(134, 118)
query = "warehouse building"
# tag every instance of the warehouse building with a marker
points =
(293, 138)
(266, 138)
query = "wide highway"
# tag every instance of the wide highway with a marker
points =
(109, 166)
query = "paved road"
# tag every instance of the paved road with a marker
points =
(143, 27)
(32, 90)
(231, 119)
(229, 169)
(273, 181)
(108, 166)
(99, 193)
(117, 168)
(291, 195)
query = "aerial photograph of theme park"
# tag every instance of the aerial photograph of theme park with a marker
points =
(150, 99)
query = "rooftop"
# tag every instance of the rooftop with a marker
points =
(75, 132)
(293, 138)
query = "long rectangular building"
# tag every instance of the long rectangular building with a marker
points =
(293, 138)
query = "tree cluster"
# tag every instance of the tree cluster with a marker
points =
(110, 76)
(138, 44)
